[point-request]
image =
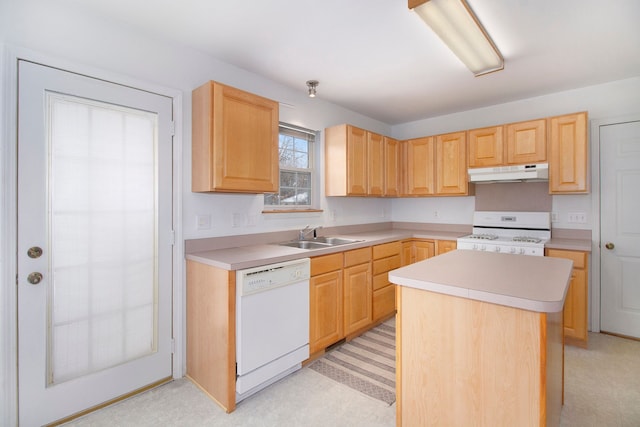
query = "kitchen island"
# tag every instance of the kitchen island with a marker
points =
(479, 340)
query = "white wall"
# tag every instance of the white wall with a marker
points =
(613, 99)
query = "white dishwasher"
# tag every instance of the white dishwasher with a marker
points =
(272, 323)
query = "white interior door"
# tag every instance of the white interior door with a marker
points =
(94, 242)
(620, 228)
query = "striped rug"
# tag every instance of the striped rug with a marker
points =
(366, 363)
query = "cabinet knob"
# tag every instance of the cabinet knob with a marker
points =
(609, 245)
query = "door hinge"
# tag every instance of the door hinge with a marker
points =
(172, 128)
(173, 237)
(173, 346)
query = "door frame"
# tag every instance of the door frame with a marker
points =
(596, 289)
(9, 57)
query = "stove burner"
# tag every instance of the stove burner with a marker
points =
(483, 236)
(527, 239)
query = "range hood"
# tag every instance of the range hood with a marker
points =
(517, 173)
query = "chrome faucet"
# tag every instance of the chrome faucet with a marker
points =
(302, 234)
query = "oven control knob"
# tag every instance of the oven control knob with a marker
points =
(497, 248)
(483, 247)
(521, 251)
(512, 250)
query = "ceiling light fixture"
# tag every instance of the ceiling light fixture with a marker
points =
(312, 85)
(456, 24)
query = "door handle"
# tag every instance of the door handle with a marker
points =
(34, 252)
(34, 278)
(609, 245)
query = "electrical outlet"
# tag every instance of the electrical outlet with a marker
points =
(436, 214)
(203, 222)
(577, 217)
(555, 217)
(238, 220)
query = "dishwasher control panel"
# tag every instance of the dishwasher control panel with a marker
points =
(258, 279)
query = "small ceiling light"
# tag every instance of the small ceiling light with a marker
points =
(312, 85)
(456, 24)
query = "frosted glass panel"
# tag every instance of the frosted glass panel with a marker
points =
(102, 233)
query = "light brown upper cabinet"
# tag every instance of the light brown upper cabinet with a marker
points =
(451, 164)
(345, 161)
(419, 164)
(526, 142)
(568, 156)
(356, 162)
(375, 164)
(234, 141)
(486, 147)
(392, 168)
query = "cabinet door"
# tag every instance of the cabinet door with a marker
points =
(357, 297)
(420, 162)
(568, 156)
(356, 161)
(444, 246)
(375, 164)
(423, 249)
(486, 147)
(527, 142)
(451, 164)
(575, 314)
(325, 315)
(391, 167)
(407, 253)
(235, 141)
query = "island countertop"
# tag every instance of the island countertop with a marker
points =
(527, 282)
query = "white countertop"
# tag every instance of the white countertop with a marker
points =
(528, 282)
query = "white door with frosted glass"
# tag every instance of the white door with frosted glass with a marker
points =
(94, 242)
(620, 228)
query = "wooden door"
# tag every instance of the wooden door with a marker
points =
(620, 228)
(391, 167)
(420, 166)
(568, 155)
(356, 161)
(486, 147)
(527, 142)
(375, 164)
(326, 318)
(451, 163)
(358, 297)
(423, 249)
(444, 246)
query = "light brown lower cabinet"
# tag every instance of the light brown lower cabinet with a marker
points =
(325, 302)
(576, 302)
(386, 257)
(358, 291)
(444, 246)
(211, 332)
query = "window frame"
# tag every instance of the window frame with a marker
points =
(313, 205)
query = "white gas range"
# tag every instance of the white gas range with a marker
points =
(523, 233)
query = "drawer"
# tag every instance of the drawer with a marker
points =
(326, 263)
(357, 256)
(380, 281)
(386, 264)
(579, 258)
(386, 250)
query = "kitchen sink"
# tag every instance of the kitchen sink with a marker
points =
(334, 241)
(318, 242)
(305, 244)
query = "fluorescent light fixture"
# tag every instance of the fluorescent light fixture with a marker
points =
(456, 24)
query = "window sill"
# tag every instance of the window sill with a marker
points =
(278, 211)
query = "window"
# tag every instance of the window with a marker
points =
(296, 170)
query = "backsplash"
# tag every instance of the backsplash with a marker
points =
(514, 196)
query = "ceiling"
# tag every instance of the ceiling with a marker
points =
(376, 57)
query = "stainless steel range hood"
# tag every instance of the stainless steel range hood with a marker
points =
(517, 173)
